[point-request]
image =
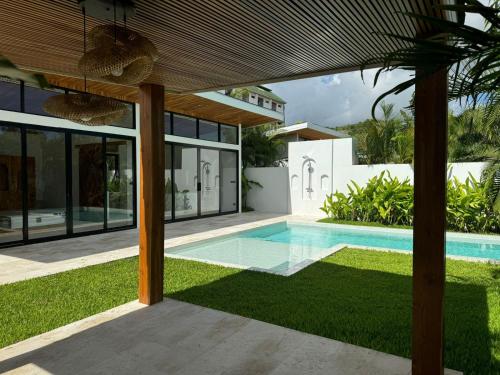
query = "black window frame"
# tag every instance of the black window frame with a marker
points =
(198, 215)
(197, 120)
(22, 88)
(21, 94)
(69, 193)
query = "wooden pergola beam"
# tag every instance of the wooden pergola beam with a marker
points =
(152, 194)
(429, 230)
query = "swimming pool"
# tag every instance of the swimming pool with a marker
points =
(286, 247)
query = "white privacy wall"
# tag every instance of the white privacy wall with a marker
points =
(274, 196)
(318, 168)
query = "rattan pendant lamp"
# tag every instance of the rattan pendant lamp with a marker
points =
(85, 108)
(117, 54)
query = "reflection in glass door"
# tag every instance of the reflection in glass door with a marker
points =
(87, 183)
(120, 182)
(169, 186)
(46, 169)
(229, 181)
(185, 181)
(209, 181)
(11, 197)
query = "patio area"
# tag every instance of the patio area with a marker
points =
(188, 49)
(42, 259)
(175, 337)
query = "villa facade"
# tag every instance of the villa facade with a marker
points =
(259, 95)
(59, 179)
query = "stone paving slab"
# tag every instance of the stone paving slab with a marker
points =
(175, 337)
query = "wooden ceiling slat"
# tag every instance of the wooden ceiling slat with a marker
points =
(187, 104)
(204, 45)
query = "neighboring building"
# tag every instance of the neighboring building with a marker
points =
(304, 131)
(259, 95)
(60, 179)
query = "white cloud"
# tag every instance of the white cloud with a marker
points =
(331, 80)
(338, 99)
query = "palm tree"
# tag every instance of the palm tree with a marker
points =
(259, 147)
(472, 136)
(389, 139)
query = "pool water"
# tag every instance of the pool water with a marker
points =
(284, 248)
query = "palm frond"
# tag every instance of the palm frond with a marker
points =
(470, 55)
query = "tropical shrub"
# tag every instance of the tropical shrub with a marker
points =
(469, 208)
(389, 201)
(386, 200)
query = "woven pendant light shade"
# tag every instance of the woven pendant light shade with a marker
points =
(86, 109)
(128, 59)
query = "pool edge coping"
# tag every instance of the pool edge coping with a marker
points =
(329, 251)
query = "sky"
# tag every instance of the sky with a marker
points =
(341, 99)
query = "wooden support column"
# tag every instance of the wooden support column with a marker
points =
(431, 138)
(152, 194)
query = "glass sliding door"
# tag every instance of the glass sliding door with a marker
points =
(169, 186)
(185, 181)
(229, 181)
(11, 193)
(209, 181)
(87, 162)
(120, 182)
(46, 171)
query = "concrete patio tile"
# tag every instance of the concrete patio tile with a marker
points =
(176, 338)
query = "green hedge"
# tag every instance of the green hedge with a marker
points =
(389, 201)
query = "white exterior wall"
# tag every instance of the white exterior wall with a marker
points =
(274, 196)
(310, 174)
(333, 167)
(267, 103)
(253, 98)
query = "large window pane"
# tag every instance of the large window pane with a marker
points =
(184, 126)
(46, 183)
(127, 121)
(167, 122)
(11, 198)
(186, 181)
(229, 134)
(229, 178)
(119, 161)
(209, 179)
(209, 131)
(169, 188)
(10, 95)
(88, 183)
(34, 98)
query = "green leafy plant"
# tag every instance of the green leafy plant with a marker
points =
(468, 54)
(491, 180)
(246, 186)
(119, 192)
(260, 148)
(385, 200)
(389, 201)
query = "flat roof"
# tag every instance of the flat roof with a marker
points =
(310, 131)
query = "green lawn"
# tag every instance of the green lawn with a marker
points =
(357, 296)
